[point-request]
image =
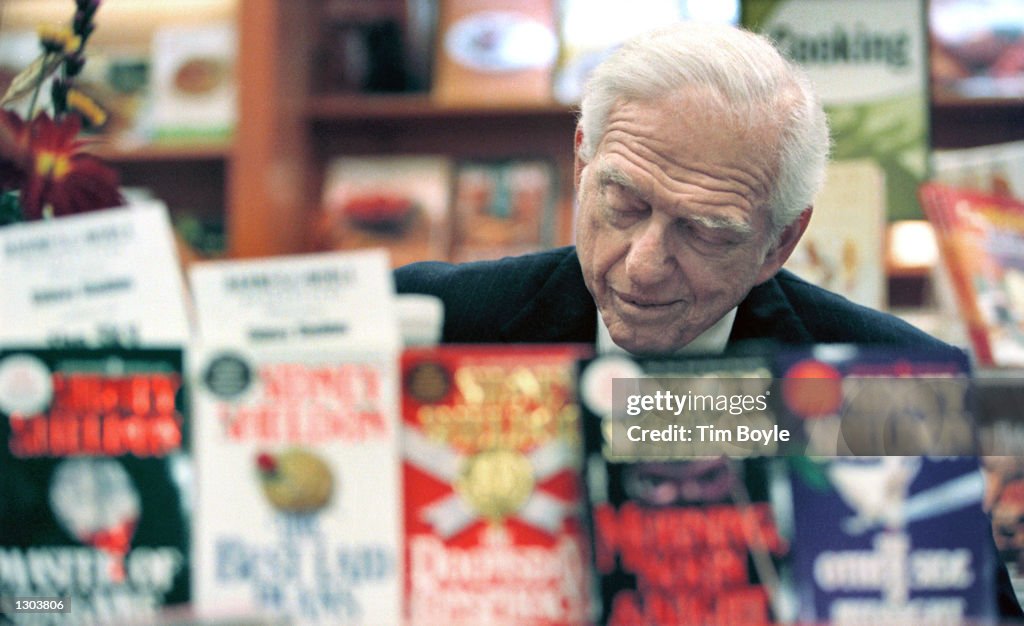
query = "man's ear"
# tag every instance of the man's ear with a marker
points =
(577, 162)
(779, 253)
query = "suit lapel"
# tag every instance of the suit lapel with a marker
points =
(562, 310)
(766, 314)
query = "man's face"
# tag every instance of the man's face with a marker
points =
(673, 226)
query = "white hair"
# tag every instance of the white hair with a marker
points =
(744, 73)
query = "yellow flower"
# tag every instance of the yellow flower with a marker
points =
(59, 39)
(89, 109)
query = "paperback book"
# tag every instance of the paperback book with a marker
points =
(503, 208)
(891, 538)
(94, 482)
(490, 461)
(297, 461)
(679, 534)
(400, 203)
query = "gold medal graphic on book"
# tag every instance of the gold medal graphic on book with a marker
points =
(497, 483)
(295, 480)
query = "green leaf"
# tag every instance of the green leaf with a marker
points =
(25, 82)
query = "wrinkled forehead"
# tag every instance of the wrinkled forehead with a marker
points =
(693, 138)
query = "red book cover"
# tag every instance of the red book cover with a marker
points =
(491, 466)
(981, 240)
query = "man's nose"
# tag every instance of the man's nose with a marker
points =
(649, 260)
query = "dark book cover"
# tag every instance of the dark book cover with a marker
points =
(685, 535)
(94, 472)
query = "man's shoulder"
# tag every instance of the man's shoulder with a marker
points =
(481, 296)
(831, 318)
(506, 279)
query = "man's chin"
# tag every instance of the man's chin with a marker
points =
(646, 345)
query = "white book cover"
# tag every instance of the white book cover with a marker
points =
(298, 492)
(194, 92)
(842, 248)
(337, 300)
(997, 169)
(295, 401)
(98, 278)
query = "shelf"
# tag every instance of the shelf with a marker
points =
(360, 108)
(197, 151)
(948, 100)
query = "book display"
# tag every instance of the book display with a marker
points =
(288, 461)
(216, 409)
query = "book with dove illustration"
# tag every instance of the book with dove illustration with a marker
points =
(296, 448)
(93, 481)
(890, 538)
(681, 523)
(490, 448)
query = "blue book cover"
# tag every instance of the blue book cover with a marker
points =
(888, 538)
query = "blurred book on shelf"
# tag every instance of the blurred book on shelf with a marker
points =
(996, 169)
(503, 208)
(977, 48)
(193, 87)
(842, 248)
(373, 47)
(492, 52)
(590, 29)
(868, 64)
(981, 243)
(401, 203)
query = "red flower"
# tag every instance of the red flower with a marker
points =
(56, 171)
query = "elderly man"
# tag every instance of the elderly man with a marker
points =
(698, 152)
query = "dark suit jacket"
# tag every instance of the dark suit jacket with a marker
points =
(541, 298)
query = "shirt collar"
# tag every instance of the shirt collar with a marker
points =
(711, 341)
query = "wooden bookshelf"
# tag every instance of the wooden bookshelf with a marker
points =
(289, 129)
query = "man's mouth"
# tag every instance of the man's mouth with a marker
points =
(644, 303)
